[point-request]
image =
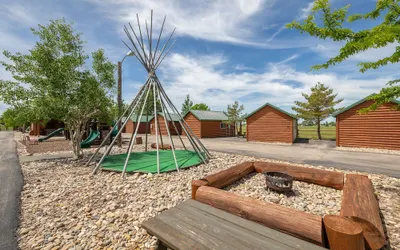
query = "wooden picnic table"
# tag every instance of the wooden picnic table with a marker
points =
(194, 225)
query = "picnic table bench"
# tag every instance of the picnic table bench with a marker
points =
(194, 225)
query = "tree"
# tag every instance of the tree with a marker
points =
(200, 106)
(318, 106)
(54, 81)
(334, 27)
(17, 116)
(149, 108)
(234, 114)
(186, 105)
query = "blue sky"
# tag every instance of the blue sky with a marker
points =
(226, 50)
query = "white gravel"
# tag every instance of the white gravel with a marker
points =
(306, 197)
(64, 207)
(371, 150)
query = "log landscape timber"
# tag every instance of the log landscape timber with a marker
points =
(343, 233)
(359, 203)
(311, 175)
(300, 224)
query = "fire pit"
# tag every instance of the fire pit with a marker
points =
(278, 181)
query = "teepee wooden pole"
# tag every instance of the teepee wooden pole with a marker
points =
(166, 53)
(115, 138)
(135, 134)
(168, 132)
(135, 124)
(184, 122)
(192, 142)
(170, 117)
(159, 38)
(141, 42)
(156, 123)
(109, 133)
(165, 45)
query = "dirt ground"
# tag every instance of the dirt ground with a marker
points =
(56, 144)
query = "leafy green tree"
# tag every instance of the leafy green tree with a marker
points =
(318, 106)
(149, 105)
(17, 116)
(200, 106)
(186, 105)
(234, 114)
(54, 81)
(334, 26)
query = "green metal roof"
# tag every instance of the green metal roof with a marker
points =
(357, 103)
(142, 119)
(134, 117)
(205, 115)
(272, 106)
(174, 117)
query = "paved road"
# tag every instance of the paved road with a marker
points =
(10, 191)
(324, 154)
(316, 153)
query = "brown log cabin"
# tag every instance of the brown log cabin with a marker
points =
(376, 129)
(160, 119)
(269, 123)
(144, 122)
(209, 124)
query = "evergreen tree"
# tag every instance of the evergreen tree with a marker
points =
(200, 106)
(186, 105)
(383, 33)
(318, 106)
(234, 114)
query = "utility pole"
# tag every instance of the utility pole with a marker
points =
(119, 96)
(119, 100)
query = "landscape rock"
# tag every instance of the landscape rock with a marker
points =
(64, 206)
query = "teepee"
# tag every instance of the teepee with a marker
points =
(151, 58)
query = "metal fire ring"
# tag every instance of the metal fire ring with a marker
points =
(279, 181)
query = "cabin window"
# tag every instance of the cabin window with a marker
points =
(222, 125)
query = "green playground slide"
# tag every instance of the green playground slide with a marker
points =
(115, 130)
(51, 134)
(90, 139)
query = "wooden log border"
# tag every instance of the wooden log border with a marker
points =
(320, 177)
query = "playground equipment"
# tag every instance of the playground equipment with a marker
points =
(156, 161)
(55, 132)
(90, 139)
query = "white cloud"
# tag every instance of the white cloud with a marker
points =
(290, 58)
(19, 14)
(330, 49)
(305, 12)
(242, 67)
(201, 78)
(223, 20)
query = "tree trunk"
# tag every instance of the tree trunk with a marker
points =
(240, 128)
(319, 128)
(76, 142)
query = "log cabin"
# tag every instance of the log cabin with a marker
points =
(376, 129)
(269, 123)
(209, 124)
(130, 125)
(174, 120)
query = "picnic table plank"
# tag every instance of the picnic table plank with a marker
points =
(193, 225)
(235, 236)
(254, 227)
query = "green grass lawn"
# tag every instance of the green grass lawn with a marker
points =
(310, 132)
